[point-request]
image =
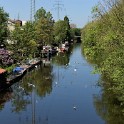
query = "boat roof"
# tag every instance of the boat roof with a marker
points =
(2, 70)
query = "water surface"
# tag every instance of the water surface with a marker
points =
(60, 93)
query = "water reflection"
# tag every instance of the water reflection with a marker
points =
(62, 58)
(38, 80)
(106, 104)
(63, 92)
(4, 97)
(20, 99)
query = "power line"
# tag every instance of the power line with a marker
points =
(32, 10)
(58, 7)
(34, 7)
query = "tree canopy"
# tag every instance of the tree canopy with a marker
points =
(62, 30)
(3, 25)
(103, 42)
(44, 26)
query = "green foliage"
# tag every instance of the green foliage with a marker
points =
(103, 43)
(62, 30)
(23, 41)
(3, 25)
(77, 31)
(10, 68)
(44, 26)
(68, 29)
(107, 105)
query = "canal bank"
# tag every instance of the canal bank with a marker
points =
(59, 93)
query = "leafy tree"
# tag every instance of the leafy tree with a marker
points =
(41, 13)
(44, 26)
(23, 41)
(75, 32)
(3, 25)
(16, 45)
(68, 29)
(103, 43)
(60, 31)
(29, 39)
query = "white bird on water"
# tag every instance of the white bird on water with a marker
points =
(75, 69)
(74, 107)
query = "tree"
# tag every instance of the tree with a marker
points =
(68, 29)
(103, 43)
(66, 19)
(75, 34)
(16, 45)
(3, 25)
(61, 31)
(29, 39)
(44, 26)
(23, 41)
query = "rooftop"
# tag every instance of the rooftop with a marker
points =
(2, 70)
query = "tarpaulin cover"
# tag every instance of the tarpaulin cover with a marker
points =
(18, 69)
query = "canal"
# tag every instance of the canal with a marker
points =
(61, 92)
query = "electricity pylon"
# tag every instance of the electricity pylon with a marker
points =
(32, 11)
(58, 7)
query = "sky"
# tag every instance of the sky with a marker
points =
(78, 11)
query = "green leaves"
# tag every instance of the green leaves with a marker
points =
(27, 38)
(44, 27)
(103, 43)
(3, 25)
(23, 41)
(62, 30)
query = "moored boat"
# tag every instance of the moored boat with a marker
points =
(16, 75)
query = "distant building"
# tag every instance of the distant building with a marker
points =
(18, 22)
(11, 26)
(73, 26)
(24, 22)
(12, 23)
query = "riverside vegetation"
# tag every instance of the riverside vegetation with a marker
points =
(103, 45)
(27, 41)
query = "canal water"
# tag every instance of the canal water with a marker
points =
(61, 92)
